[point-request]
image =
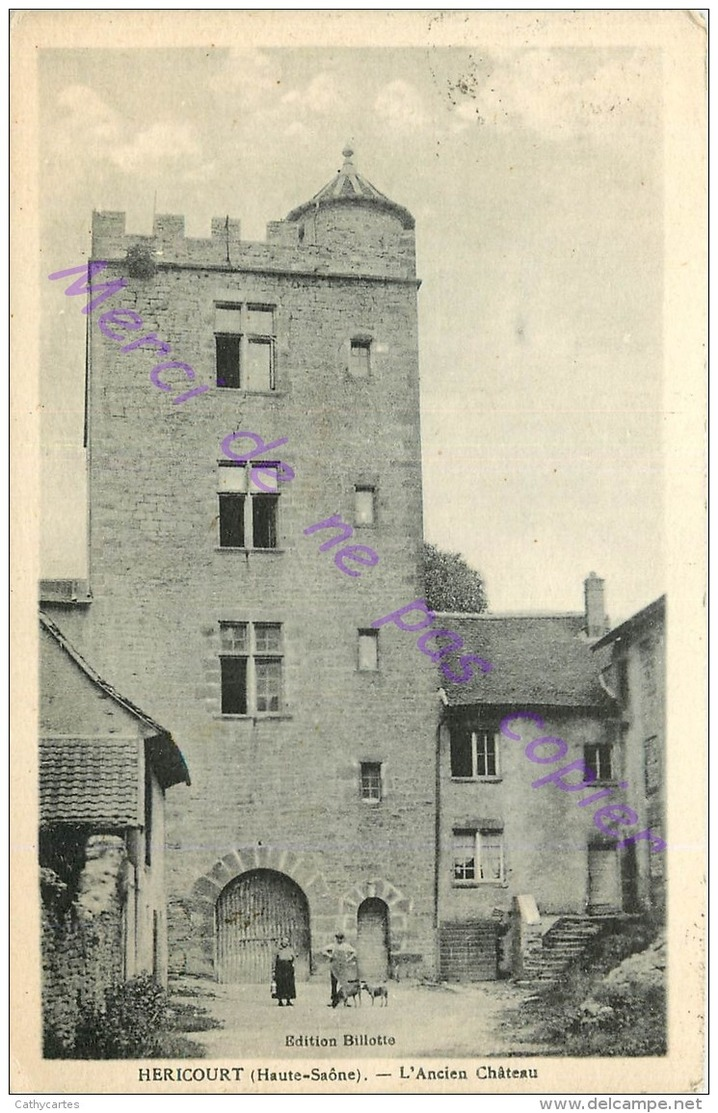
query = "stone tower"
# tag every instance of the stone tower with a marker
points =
(310, 734)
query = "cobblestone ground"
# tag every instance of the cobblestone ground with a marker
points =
(423, 1021)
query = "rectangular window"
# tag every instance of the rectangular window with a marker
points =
(485, 748)
(368, 650)
(227, 348)
(231, 521)
(247, 519)
(364, 506)
(462, 754)
(359, 358)
(464, 855)
(491, 855)
(478, 856)
(652, 764)
(269, 683)
(251, 666)
(264, 521)
(259, 365)
(244, 342)
(598, 757)
(371, 781)
(474, 753)
(234, 685)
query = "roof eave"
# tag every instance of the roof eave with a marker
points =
(407, 220)
(167, 760)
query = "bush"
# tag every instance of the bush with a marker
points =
(140, 261)
(130, 1026)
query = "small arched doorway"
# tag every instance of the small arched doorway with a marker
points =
(252, 914)
(373, 940)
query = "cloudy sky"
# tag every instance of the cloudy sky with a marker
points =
(536, 179)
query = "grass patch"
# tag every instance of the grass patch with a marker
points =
(584, 1013)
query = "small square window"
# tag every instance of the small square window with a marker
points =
(364, 506)
(232, 478)
(368, 650)
(598, 759)
(260, 320)
(371, 781)
(268, 638)
(359, 358)
(228, 318)
(233, 637)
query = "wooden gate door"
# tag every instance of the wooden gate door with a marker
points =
(373, 940)
(604, 880)
(252, 914)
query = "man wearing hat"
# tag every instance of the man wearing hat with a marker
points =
(342, 965)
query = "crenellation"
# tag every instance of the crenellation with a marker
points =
(377, 247)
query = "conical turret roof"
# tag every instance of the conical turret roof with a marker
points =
(351, 187)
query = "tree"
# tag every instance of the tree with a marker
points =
(450, 583)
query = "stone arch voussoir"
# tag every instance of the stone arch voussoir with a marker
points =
(302, 869)
(397, 904)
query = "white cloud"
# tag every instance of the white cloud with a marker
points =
(299, 129)
(399, 104)
(88, 114)
(89, 120)
(323, 93)
(159, 143)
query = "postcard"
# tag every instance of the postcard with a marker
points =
(358, 367)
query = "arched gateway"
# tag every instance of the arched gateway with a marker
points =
(253, 912)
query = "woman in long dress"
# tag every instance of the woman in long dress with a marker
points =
(284, 973)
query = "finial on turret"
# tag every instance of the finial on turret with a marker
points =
(348, 152)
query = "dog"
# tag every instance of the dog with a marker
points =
(380, 991)
(345, 992)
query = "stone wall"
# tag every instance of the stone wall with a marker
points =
(82, 938)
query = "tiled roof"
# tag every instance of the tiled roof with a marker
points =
(90, 780)
(535, 659)
(351, 187)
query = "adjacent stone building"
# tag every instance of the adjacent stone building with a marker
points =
(636, 677)
(104, 768)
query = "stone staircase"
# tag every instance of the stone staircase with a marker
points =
(561, 946)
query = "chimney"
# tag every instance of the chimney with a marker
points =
(595, 609)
